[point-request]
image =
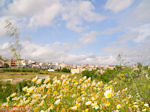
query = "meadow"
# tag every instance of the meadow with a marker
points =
(118, 90)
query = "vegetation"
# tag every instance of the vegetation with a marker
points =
(19, 70)
(136, 79)
(6, 88)
(69, 93)
(65, 70)
(121, 89)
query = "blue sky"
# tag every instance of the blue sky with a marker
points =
(78, 31)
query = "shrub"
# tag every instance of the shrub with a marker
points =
(91, 74)
(65, 70)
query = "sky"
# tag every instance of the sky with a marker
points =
(78, 31)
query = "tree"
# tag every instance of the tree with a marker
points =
(65, 70)
(6, 65)
(15, 46)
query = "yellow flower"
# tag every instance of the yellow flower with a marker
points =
(55, 92)
(95, 106)
(4, 104)
(146, 105)
(51, 107)
(25, 89)
(74, 108)
(47, 80)
(13, 95)
(88, 103)
(118, 106)
(42, 103)
(63, 110)
(8, 99)
(108, 93)
(77, 105)
(39, 81)
(63, 77)
(57, 102)
(107, 104)
(35, 79)
(27, 101)
(36, 109)
(86, 110)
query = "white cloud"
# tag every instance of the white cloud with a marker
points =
(139, 15)
(130, 54)
(2, 3)
(117, 5)
(46, 53)
(88, 37)
(111, 31)
(46, 17)
(75, 12)
(143, 33)
(45, 12)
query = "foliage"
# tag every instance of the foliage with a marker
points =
(93, 74)
(19, 70)
(65, 70)
(6, 65)
(6, 88)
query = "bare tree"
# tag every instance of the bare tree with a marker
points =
(15, 47)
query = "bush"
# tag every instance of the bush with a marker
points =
(65, 70)
(19, 70)
(93, 74)
(7, 88)
(6, 65)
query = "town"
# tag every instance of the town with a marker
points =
(53, 66)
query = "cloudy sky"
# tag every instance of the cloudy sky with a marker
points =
(78, 31)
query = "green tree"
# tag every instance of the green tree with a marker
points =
(65, 70)
(6, 65)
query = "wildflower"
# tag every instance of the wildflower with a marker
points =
(39, 81)
(36, 109)
(42, 103)
(88, 103)
(5, 104)
(8, 99)
(108, 93)
(86, 110)
(95, 106)
(30, 90)
(47, 80)
(51, 107)
(25, 89)
(35, 96)
(15, 98)
(63, 110)
(126, 74)
(35, 79)
(57, 102)
(118, 106)
(13, 95)
(63, 77)
(107, 104)
(143, 110)
(146, 105)
(74, 108)
(27, 101)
